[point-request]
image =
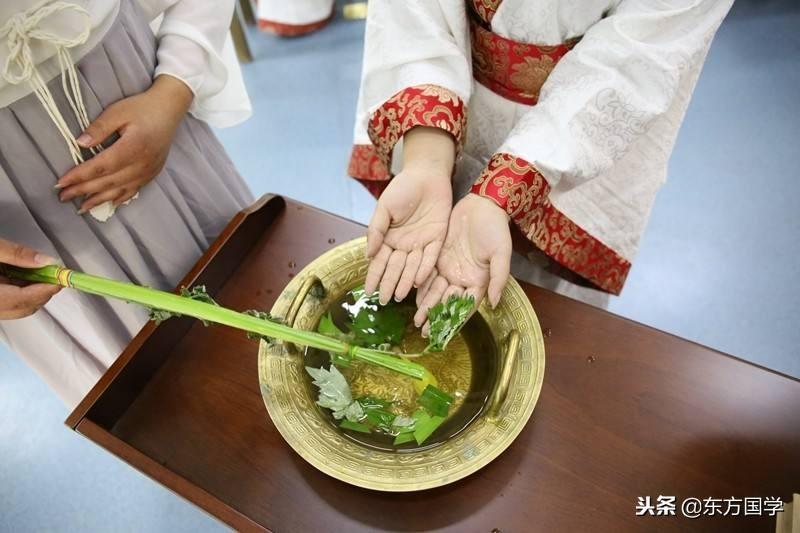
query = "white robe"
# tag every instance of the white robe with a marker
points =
(607, 115)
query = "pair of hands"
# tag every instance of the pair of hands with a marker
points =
(418, 239)
(146, 124)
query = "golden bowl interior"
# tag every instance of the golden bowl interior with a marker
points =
(293, 410)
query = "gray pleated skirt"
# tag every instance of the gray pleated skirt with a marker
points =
(154, 241)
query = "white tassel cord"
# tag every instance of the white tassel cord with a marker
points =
(20, 67)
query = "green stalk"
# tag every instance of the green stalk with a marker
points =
(210, 313)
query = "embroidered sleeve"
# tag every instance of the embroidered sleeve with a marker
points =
(424, 105)
(368, 168)
(518, 188)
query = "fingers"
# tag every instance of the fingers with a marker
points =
(429, 257)
(423, 289)
(499, 270)
(394, 269)
(19, 302)
(106, 124)
(377, 265)
(100, 198)
(433, 296)
(452, 290)
(37, 294)
(413, 261)
(377, 229)
(15, 254)
(106, 162)
(426, 330)
(13, 281)
(112, 180)
(127, 194)
(477, 294)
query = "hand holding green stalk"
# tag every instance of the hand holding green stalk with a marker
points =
(209, 312)
(18, 300)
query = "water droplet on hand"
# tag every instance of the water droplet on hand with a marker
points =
(591, 359)
(331, 240)
(292, 264)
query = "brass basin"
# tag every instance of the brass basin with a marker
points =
(292, 407)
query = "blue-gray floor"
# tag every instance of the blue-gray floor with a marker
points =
(718, 263)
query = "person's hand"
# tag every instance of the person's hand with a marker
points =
(409, 225)
(16, 300)
(146, 124)
(475, 258)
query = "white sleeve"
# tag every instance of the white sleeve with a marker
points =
(194, 46)
(410, 43)
(626, 72)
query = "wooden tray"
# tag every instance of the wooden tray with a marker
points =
(625, 411)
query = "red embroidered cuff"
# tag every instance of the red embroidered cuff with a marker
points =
(516, 186)
(423, 105)
(368, 168)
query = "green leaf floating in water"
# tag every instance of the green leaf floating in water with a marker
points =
(328, 328)
(404, 438)
(436, 401)
(355, 426)
(425, 425)
(403, 424)
(368, 414)
(371, 402)
(378, 414)
(198, 293)
(361, 299)
(446, 320)
(374, 325)
(353, 412)
(334, 394)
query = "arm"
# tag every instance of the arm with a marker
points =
(410, 220)
(416, 73)
(603, 99)
(415, 82)
(189, 73)
(600, 102)
(192, 47)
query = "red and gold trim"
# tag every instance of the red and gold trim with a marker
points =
(516, 71)
(423, 105)
(485, 9)
(518, 188)
(294, 30)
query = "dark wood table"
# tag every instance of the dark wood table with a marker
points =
(625, 411)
